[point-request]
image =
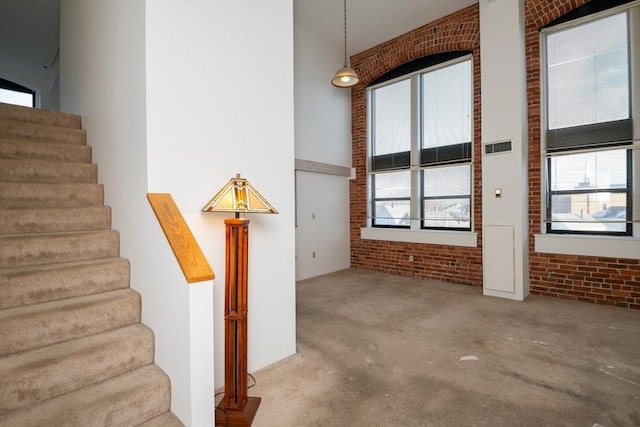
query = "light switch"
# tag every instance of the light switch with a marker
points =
(498, 193)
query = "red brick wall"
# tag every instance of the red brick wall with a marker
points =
(457, 32)
(600, 280)
(593, 279)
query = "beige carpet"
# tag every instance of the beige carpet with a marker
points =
(382, 350)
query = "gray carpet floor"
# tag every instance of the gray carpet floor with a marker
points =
(383, 350)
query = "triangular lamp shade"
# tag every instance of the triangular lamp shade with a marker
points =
(238, 195)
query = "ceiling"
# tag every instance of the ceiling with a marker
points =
(29, 29)
(369, 22)
(29, 33)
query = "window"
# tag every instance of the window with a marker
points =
(588, 67)
(13, 93)
(420, 128)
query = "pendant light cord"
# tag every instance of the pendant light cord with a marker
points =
(345, 76)
(345, 33)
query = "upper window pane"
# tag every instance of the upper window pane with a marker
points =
(446, 105)
(588, 73)
(392, 118)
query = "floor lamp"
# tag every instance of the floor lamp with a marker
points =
(237, 196)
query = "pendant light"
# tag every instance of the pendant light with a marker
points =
(345, 76)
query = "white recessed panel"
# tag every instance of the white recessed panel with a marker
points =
(498, 258)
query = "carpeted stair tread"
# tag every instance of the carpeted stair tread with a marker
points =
(32, 326)
(24, 194)
(126, 400)
(41, 133)
(164, 420)
(72, 349)
(52, 151)
(39, 116)
(50, 220)
(71, 365)
(36, 170)
(51, 282)
(18, 250)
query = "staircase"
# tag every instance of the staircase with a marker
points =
(72, 349)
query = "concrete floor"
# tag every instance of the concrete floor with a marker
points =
(384, 350)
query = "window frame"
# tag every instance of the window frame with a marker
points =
(415, 166)
(16, 87)
(632, 163)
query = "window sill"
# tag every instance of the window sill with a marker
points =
(453, 238)
(604, 246)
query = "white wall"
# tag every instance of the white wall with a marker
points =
(103, 78)
(322, 232)
(322, 134)
(164, 115)
(220, 102)
(29, 45)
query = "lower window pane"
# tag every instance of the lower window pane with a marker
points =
(392, 194)
(447, 181)
(599, 212)
(392, 185)
(447, 197)
(447, 213)
(601, 170)
(392, 213)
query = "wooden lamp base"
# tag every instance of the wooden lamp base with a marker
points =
(236, 409)
(238, 417)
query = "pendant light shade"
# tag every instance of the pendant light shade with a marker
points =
(345, 76)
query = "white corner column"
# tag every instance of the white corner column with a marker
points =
(504, 162)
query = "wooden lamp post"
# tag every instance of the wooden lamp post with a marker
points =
(236, 196)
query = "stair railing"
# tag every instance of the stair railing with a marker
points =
(194, 265)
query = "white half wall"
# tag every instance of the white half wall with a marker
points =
(322, 134)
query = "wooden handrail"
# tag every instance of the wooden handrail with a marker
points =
(194, 265)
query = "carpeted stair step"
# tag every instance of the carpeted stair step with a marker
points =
(30, 170)
(52, 151)
(39, 116)
(14, 194)
(18, 250)
(163, 420)
(44, 283)
(28, 327)
(71, 365)
(40, 133)
(50, 220)
(126, 400)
